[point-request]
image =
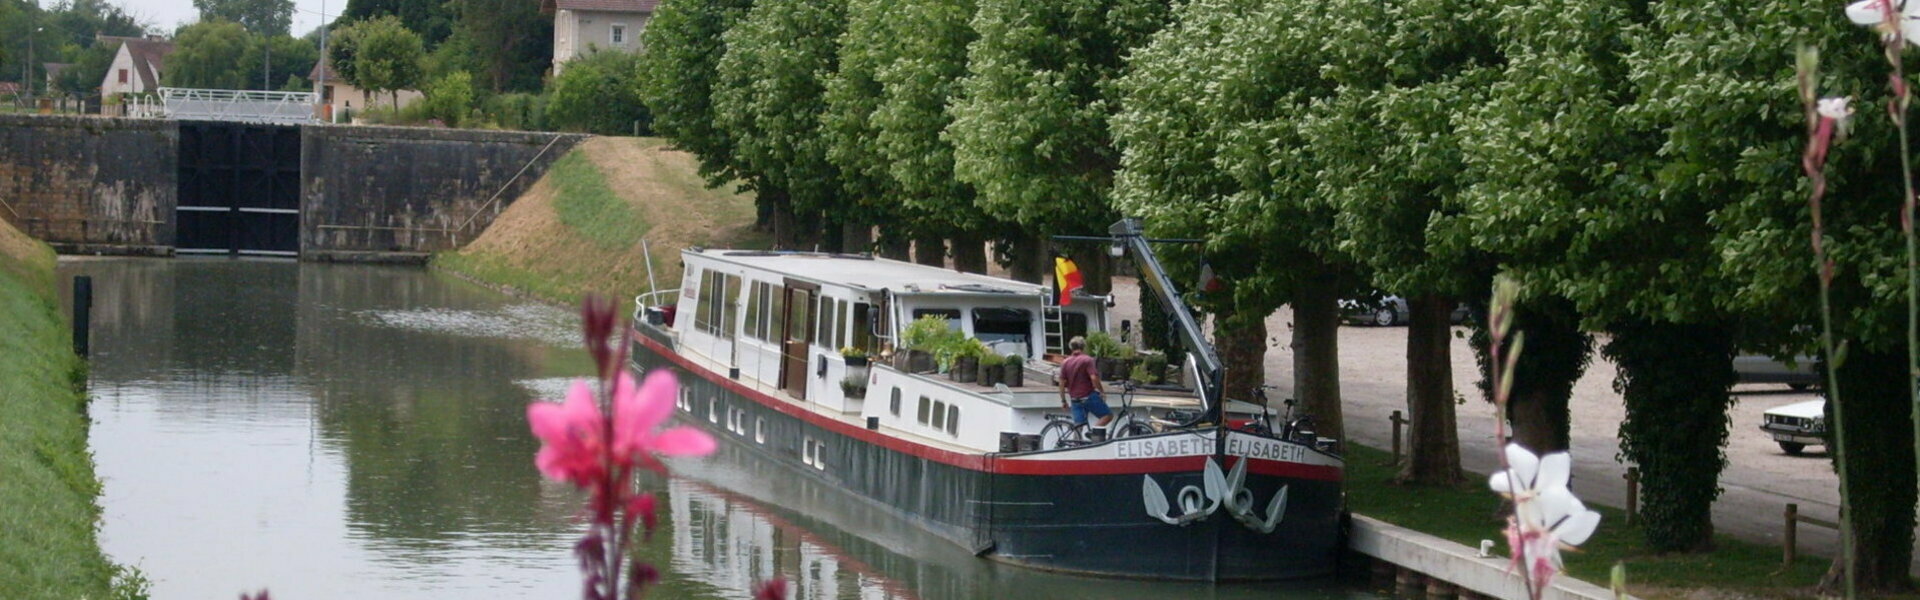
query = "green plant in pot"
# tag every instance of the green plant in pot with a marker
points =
(1112, 358)
(855, 357)
(1013, 370)
(926, 340)
(854, 387)
(1155, 364)
(965, 364)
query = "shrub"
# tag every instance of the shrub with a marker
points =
(1102, 345)
(599, 94)
(526, 112)
(450, 99)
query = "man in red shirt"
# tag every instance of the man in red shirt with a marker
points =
(1080, 382)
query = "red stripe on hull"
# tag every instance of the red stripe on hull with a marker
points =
(978, 462)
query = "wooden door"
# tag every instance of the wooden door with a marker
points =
(797, 340)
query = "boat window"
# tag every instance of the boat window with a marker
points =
(863, 326)
(926, 404)
(1010, 325)
(829, 325)
(718, 298)
(756, 328)
(953, 419)
(840, 330)
(952, 315)
(799, 315)
(730, 305)
(1073, 325)
(894, 404)
(939, 415)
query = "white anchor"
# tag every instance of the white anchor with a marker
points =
(1229, 490)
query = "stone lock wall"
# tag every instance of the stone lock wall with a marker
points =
(396, 193)
(90, 185)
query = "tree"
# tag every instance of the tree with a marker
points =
(1730, 132)
(511, 40)
(286, 56)
(432, 19)
(1030, 123)
(260, 17)
(677, 77)
(853, 93)
(769, 98)
(598, 94)
(1214, 93)
(83, 78)
(450, 98)
(206, 55)
(377, 55)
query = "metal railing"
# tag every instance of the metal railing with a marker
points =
(249, 106)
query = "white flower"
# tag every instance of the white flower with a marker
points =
(1835, 107)
(1872, 13)
(1547, 516)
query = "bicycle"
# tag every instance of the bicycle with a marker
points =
(1062, 432)
(1299, 429)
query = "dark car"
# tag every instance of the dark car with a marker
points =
(1387, 311)
(1798, 373)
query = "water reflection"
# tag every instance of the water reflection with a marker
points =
(335, 431)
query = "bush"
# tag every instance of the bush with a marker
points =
(450, 99)
(1102, 345)
(522, 111)
(599, 93)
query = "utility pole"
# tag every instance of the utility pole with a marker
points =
(26, 70)
(321, 85)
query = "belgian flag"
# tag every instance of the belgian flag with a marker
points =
(1066, 276)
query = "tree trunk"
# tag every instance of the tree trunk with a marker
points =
(1555, 355)
(1030, 261)
(930, 250)
(969, 253)
(1242, 343)
(1096, 268)
(896, 247)
(856, 238)
(1879, 481)
(1674, 379)
(1316, 358)
(1434, 439)
(784, 235)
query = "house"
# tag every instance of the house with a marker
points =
(338, 95)
(136, 65)
(581, 27)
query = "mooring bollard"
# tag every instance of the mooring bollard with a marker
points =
(1787, 537)
(1398, 421)
(1633, 494)
(82, 314)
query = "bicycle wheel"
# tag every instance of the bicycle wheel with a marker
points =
(1055, 434)
(1130, 427)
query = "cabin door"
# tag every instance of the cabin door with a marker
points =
(798, 337)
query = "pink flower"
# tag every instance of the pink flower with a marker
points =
(573, 437)
(637, 414)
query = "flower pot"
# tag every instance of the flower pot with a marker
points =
(965, 368)
(989, 373)
(919, 361)
(856, 361)
(1013, 375)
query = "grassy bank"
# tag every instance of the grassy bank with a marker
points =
(49, 514)
(1468, 514)
(578, 230)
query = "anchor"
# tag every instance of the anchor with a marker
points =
(1229, 490)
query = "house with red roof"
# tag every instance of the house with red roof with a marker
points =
(136, 65)
(582, 27)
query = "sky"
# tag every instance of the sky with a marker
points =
(169, 14)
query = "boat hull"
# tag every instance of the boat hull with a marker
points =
(1086, 510)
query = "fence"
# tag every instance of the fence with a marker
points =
(250, 106)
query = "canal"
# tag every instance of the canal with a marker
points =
(335, 431)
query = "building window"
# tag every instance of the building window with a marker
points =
(123, 76)
(619, 33)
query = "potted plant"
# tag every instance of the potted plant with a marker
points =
(1155, 364)
(854, 387)
(1112, 358)
(855, 357)
(1014, 372)
(991, 367)
(964, 366)
(924, 339)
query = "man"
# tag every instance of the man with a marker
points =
(1080, 383)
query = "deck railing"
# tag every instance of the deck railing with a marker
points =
(248, 106)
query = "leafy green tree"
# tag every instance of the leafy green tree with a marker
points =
(511, 40)
(378, 55)
(853, 94)
(260, 17)
(1731, 132)
(206, 55)
(678, 74)
(1030, 123)
(769, 97)
(1223, 70)
(432, 19)
(84, 76)
(285, 55)
(598, 94)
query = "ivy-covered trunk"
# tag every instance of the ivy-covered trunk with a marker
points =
(1027, 258)
(1316, 357)
(1880, 468)
(1434, 440)
(1242, 343)
(1555, 356)
(969, 252)
(930, 250)
(1096, 268)
(1675, 379)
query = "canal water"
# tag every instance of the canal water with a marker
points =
(353, 431)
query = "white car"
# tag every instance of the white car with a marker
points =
(1798, 425)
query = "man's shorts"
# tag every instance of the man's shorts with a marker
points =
(1093, 403)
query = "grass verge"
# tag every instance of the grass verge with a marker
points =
(49, 510)
(1469, 513)
(586, 204)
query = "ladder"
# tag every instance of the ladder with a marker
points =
(1056, 331)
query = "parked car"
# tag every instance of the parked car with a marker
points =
(1798, 373)
(1387, 311)
(1798, 425)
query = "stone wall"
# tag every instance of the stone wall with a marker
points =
(90, 185)
(397, 193)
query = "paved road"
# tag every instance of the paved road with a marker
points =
(1758, 482)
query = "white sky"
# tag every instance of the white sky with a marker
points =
(169, 14)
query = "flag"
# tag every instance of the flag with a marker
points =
(1066, 278)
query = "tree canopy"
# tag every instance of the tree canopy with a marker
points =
(260, 17)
